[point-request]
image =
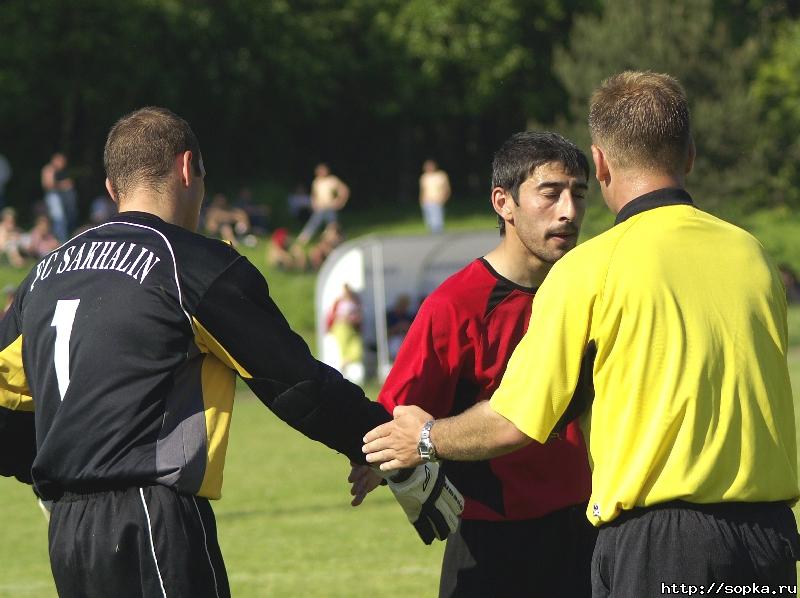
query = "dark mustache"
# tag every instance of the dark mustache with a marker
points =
(564, 230)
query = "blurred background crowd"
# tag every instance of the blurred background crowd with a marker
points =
(367, 91)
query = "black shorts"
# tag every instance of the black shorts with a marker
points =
(548, 556)
(653, 551)
(136, 542)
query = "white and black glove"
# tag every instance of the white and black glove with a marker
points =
(431, 502)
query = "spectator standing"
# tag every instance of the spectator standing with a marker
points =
(328, 195)
(344, 324)
(434, 192)
(59, 195)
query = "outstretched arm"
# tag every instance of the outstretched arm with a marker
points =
(477, 434)
(238, 322)
(241, 325)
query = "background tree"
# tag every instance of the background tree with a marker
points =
(689, 39)
(376, 86)
(777, 91)
(373, 86)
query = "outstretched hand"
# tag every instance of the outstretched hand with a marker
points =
(394, 444)
(364, 480)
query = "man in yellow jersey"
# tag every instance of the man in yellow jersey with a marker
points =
(692, 425)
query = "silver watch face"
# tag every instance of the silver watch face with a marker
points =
(422, 447)
(426, 450)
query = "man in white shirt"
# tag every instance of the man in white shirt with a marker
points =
(328, 195)
(434, 191)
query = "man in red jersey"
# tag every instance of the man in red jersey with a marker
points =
(523, 530)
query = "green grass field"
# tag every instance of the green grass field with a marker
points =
(285, 523)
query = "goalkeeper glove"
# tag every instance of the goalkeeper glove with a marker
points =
(430, 501)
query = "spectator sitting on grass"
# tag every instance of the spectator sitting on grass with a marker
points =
(225, 221)
(10, 237)
(283, 253)
(398, 321)
(330, 239)
(257, 213)
(40, 240)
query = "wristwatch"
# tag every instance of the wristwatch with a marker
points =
(427, 451)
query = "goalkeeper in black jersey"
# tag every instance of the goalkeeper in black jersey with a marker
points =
(125, 343)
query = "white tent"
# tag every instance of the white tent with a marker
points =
(380, 268)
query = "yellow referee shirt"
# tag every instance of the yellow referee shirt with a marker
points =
(692, 394)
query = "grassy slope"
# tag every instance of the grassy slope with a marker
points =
(285, 524)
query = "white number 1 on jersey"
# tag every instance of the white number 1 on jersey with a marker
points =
(63, 320)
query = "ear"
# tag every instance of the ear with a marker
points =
(601, 172)
(184, 162)
(111, 193)
(691, 157)
(502, 203)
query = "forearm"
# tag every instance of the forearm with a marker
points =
(478, 434)
(238, 322)
(334, 412)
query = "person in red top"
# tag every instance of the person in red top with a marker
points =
(523, 530)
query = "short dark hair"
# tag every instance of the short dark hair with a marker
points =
(641, 120)
(524, 152)
(141, 148)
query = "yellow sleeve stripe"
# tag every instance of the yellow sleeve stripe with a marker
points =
(14, 391)
(208, 344)
(218, 384)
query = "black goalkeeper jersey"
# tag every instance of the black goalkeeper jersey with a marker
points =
(127, 340)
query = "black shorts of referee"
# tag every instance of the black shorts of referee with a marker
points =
(135, 542)
(547, 556)
(651, 551)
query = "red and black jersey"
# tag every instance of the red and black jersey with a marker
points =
(454, 355)
(125, 343)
